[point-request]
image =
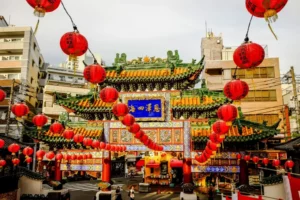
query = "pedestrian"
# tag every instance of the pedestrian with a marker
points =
(131, 193)
(211, 193)
(118, 193)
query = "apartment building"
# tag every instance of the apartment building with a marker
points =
(264, 100)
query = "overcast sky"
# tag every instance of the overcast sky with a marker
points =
(151, 27)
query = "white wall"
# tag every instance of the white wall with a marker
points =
(274, 191)
(30, 186)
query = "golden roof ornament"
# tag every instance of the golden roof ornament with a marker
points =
(146, 59)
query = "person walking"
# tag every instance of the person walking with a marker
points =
(131, 193)
(118, 193)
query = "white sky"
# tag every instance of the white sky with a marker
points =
(144, 27)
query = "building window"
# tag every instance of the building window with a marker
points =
(70, 77)
(62, 78)
(80, 79)
(34, 46)
(32, 63)
(261, 95)
(259, 72)
(271, 119)
(31, 80)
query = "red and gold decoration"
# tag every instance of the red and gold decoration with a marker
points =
(255, 159)
(120, 110)
(56, 128)
(58, 157)
(109, 95)
(13, 148)
(50, 155)
(68, 134)
(87, 142)
(265, 161)
(28, 160)
(96, 144)
(41, 7)
(2, 143)
(289, 164)
(2, 163)
(227, 113)
(39, 121)
(220, 127)
(276, 163)
(78, 138)
(236, 90)
(128, 120)
(27, 151)
(40, 155)
(2, 95)
(247, 158)
(94, 74)
(20, 110)
(16, 161)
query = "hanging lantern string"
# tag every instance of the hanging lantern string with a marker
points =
(76, 29)
(246, 37)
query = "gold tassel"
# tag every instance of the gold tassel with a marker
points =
(270, 27)
(36, 27)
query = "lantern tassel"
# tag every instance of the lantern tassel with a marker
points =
(272, 31)
(36, 27)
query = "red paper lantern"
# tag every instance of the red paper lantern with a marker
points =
(20, 110)
(209, 151)
(117, 148)
(16, 161)
(73, 157)
(276, 163)
(139, 134)
(212, 146)
(289, 164)
(56, 128)
(89, 156)
(2, 143)
(40, 155)
(102, 145)
(220, 127)
(79, 157)
(68, 134)
(227, 113)
(73, 44)
(247, 158)
(39, 120)
(216, 138)
(236, 89)
(134, 128)
(87, 142)
(28, 160)
(125, 148)
(2, 95)
(120, 109)
(27, 151)
(67, 157)
(50, 155)
(128, 120)
(265, 161)
(2, 163)
(84, 156)
(109, 95)
(107, 147)
(144, 138)
(248, 55)
(58, 157)
(13, 148)
(238, 156)
(78, 138)
(94, 73)
(43, 6)
(112, 148)
(255, 159)
(96, 144)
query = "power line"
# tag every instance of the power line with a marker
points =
(263, 109)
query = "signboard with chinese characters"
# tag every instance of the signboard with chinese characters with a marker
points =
(216, 169)
(147, 109)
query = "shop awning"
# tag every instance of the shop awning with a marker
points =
(140, 163)
(176, 163)
(153, 164)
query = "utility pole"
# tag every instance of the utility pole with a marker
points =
(10, 103)
(295, 97)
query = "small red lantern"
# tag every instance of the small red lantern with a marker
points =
(117, 148)
(109, 95)
(2, 95)
(27, 151)
(107, 147)
(89, 156)
(276, 163)
(43, 6)
(84, 156)
(56, 128)
(58, 157)
(39, 120)
(144, 138)
(68, 134)
(79, 157)
(87, 142)
(228, 113)
(238, 156)
(40, 155)
(13, 148)
(236, 89)
(2, 163)
(67, 157)
(28, 160)
(73, 157)
(216, 138)
(2, 143)
(50, 155)
(96, 144)
(120, 110)
(248, 55)
(16, 161)
(20, 110)
(289, 164)
(265, 161)
(247, 158)
(78, 138)
(220, 127)
(102, 145)
(134, 128)
(128, 120)
(94, 73)
(212, 146)
(112, 148)
(139, 134)
(255, 159)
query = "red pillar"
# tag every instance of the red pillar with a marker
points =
(57, 171)
(187, 170)
(106, 168)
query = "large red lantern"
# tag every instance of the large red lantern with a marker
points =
(50, 155)
(289, 164)
(255, 159)
(2, 163)
(73, 44)
(265, 161)
(78, 138)
(13, 148)
(16, 161)
(41, 7)
(28, 160)
(247, 158)
(139, 134)
(212, 146)
(216, 138)
(58, 157)
(94, 73)
(68, 134)
(2, 143)
(120, 109)
(128, 120)
(109, 95)
(248, 55)
(27, 151)
(96, 144)
(134, 128)
(87, 142)
(236, 89)
(40, 155)
(56, 128)
(102, 145)
(228, 113)
(220, 127)
(2, 95)
(266, 9)
(276, 163)
(20, 110)
(39, 120)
